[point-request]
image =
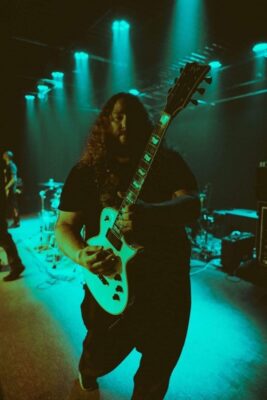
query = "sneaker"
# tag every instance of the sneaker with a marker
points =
(88, 383)
(14, 274)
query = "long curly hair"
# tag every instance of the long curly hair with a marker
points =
(96, 153)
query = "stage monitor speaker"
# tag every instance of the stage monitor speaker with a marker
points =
(261, 237)
(236, 247)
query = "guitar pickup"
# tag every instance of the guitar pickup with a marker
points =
(113, 239)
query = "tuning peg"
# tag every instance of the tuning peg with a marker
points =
(201, 91)
(208, 80)
(195, 102)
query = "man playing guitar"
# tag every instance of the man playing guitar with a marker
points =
(155, 319)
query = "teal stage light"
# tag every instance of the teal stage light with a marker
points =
(120, 25)
(43, 88)
(29, 97)
(81, 55)
(57, 75)
(58, 78)
(42, 91)
(215, 64)
(260, 49)
(135, 92)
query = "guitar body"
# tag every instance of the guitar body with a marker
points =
(111, 292)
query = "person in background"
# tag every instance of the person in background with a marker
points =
(6, 240)
(11, 189)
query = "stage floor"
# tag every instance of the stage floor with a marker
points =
(42, 331)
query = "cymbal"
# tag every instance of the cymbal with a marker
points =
(51, 184)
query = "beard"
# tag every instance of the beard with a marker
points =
(118, 146)
(125, 145)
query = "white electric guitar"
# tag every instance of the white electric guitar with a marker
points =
(111, 292)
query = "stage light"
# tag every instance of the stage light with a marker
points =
(135, 92)
(215, 64)
(58, 78)
(81, 55)
(120, 25)
(42, 91)
(43, 88)
(122, 69)
(57, 75)
(260, 49)
(29, 97)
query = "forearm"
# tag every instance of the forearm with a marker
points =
(69, 241)
(181, 210)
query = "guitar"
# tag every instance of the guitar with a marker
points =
(111, 292)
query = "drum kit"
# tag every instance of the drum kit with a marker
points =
(57, 266)
(50, 198)
(200, 234)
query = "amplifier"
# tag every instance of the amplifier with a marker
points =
(261, 239)
(236, 247)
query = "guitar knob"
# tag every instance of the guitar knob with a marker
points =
(201, 91)
(116, 297)
(195, 102)
(117, 277)
(119, 288)
(208, 80)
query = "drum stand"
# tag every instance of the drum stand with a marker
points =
(203, 240)
(205, 223)
(47, 235)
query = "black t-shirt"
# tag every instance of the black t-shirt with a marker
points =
(168, 174)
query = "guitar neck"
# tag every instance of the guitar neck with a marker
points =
(144, 166)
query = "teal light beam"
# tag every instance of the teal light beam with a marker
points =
(122, 70)
(187, 29)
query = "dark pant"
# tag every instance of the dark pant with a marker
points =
(12, 206)
(8, 244)
(156, 325)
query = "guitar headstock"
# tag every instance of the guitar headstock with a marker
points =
(185, 86)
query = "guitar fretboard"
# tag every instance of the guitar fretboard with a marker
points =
(143, 167)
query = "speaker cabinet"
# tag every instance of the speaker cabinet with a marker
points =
(261, 237)
(236, 247)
